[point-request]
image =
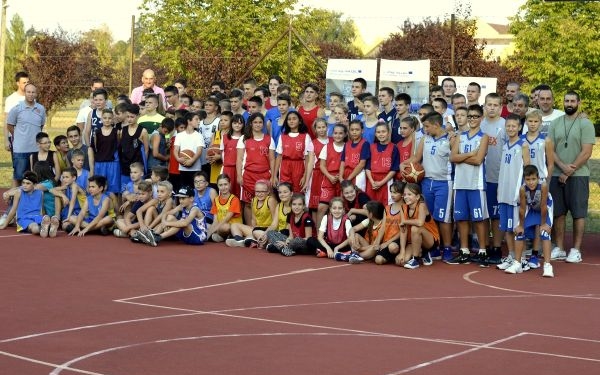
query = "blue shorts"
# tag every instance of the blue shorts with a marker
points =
(509, 217)
(112, 171)
(491, 192)
(532, 220)
(65, 211)
(438, 197)
(23, 223)
(196, 236)
(20, 162)
(469, 205)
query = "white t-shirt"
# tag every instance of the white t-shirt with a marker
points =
(547, 120)
(189, 141)
(12, 100)
(323, 154)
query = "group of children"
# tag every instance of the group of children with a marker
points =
(347, 180)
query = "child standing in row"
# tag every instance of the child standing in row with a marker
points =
(355, 155)
(316, 180)
(295, 153)
(228, 148)
(330, 162)
(382, 166)
(105, 144)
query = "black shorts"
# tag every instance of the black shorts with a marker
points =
(572, 196)
(387, 255)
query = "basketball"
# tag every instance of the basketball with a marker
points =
(413, 172)
(213, 151)
(187, 154)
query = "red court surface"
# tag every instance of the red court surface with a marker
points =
(101, 305)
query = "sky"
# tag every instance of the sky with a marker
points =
(375, 18)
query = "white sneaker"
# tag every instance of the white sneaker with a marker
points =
(3, 219)
(574, 256)
(216, 237)
(119, 233)
(506, 262)
(558, 254)
(548, 270)
(515, 267)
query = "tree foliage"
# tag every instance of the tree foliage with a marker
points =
(61, 66)
(431, 39)
(558, 43)
(220, 39)
(16, 46)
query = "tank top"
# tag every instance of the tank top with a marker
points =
(130, 149)
(381, 161)
(298, 228)
(262, 213)
(96, 124)
(49, 160)
(105, 146)
(94, 209)
(223, 209)
(334, 159)
(229, 147)
(282, 216)
(467, 176)
(309, 116)
(257, 154)
(537, 153)
(352, 154)
(293, 147)
(429, 224)
(30, 204)
(436, 158)
(336, 236)
(511, 173)
(204, 202)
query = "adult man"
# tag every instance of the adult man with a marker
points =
(386, 101)
(248, 86)
(512, 89)
(449, 87)
(520, 107)
(458, 100)
(21, 79)
(148, 82)
(473, 93)
(546, 104)
(217, 86)
(181, 85)
(24, 122)
(359, 86)
(573, 138)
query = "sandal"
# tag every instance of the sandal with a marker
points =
(54, 224)
(45, 226)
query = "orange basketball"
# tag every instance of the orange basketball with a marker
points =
(413, 172)
(213, 151)
(187, 154)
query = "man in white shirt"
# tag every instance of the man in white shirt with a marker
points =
(21, 79)
(546, 103)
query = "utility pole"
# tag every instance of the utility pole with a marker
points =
(131, 44)
(2, 53)
(452, 41)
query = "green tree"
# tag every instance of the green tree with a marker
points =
(558, 43)
(16, 45)
(61, 65)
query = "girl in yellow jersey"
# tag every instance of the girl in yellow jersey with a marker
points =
(226, 209)
(264, 214)
(278, 230)
(418, 230)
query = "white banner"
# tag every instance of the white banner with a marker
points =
(488, 85)
(410, 77)
(341, 73)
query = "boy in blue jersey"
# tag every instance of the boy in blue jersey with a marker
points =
(186, 221)
(468, 153)
(535, 209)
(515, 155)
(94, 212)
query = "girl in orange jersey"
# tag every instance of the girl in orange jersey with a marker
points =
(379, 240)
(393, 216)
(418, 230)
(226, 209)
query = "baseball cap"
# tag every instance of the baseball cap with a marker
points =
(185, 191)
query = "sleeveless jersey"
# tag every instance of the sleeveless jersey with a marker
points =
(204, 202)
(336, 236)
(207, 131)
(429, 224)
(257, 155)
(282, 216)
(309, 116)
(497, 136)
(352, 154)
(105, 146)
(94, 209)
(262, 213)
(49, 160)
(381, 161)
(130, 149)
(96, 124)
(467, 176)
(392, 223)
(223, 209)
(436, 158)
(318, 146)
(405, 151)
(30, 204)
(229, 147)
(293, 147)
(537, 152)
(198, 224)
(334, 159)
(298, 228)
(511, 173)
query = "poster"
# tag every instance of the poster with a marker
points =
(341, 73)
(410, 77)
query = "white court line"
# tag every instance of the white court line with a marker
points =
(251, 308)
(233, 282)
(44, 363)
(467, 278)
(455, 355)
(563, 337)
(16, 235)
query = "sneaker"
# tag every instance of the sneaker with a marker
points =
(250, 242)
(354, 258)
(558, 254)
(54, 225)
(411, 264)
(574, 256)
(321, 254)
(514, 268)
(3, 219)
(475, 243)
(534, 262)
(426, 259)
(119, 233)
(45, 226)
(216, 237)
(342, 257)
(286, 251)
(151, 237)
(548, 270)
(461, 258)
(104, 231)
(495, 256)
(436, 254)
(447, 254)
(271, 248)
(525, 265)
(236, 241)
(506, 262)
(483, 259)
(138, 236)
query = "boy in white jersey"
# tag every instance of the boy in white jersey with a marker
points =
(434, 153)
(468, 153)
(493, 126)
(535, 214)
(515, 154)
(541, 148)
